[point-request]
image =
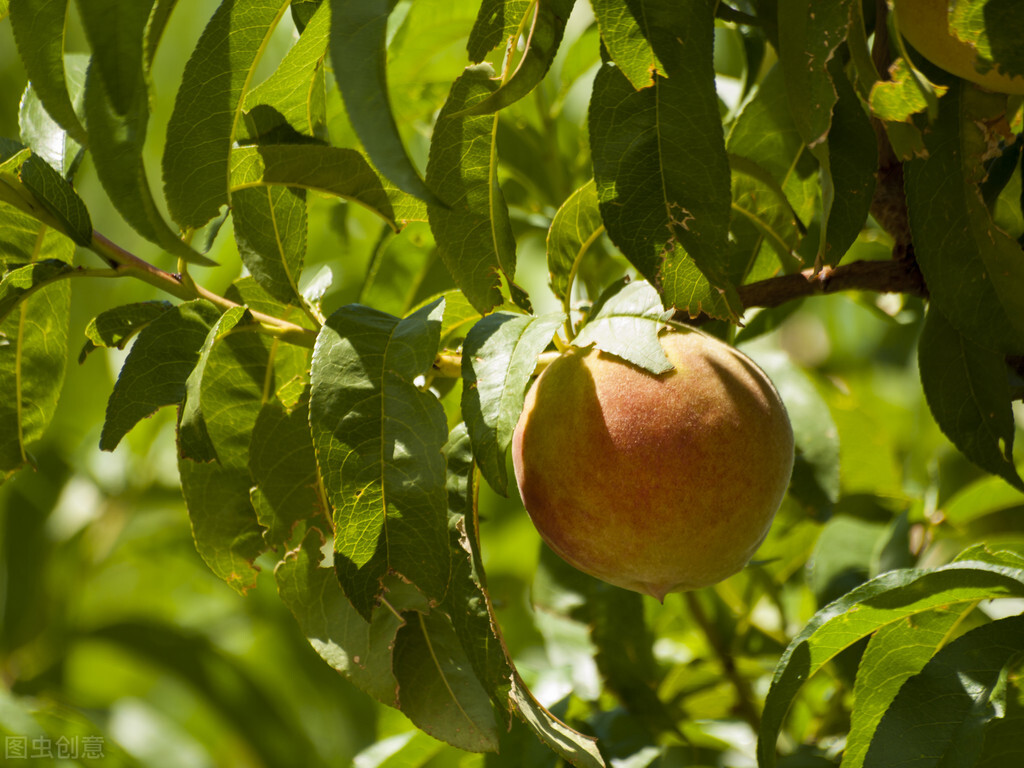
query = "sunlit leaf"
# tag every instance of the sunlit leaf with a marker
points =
(473, 232)
(358, 52)
(33, 357)
(627, 325)
(42, 133)
(892, 597)
(939, 715)
(574, 228)
(156, 369)
(328, 170)
(499, 357)
(270, 230)
(208, 106)
(38, 27)
(896, 653)
(626, 42)
(115, 327)
(660, 162)
(378, 441)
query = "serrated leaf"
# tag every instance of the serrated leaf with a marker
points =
(270, 230)
(224, 395)
(208, 106)
(939, 715)
(627, 325)
(282, 463)
(19, 284)
(498, 359)
(359, 650)
(542, 41)
(889, 598)
(969, 395)
(496, 22)
(156, 369)
(378, 440)
(42, 133)
(574, 228)
(625, 41)
(974, 270)
(33, 357)
(467, 602)
(809, 34)
(58, 198)
(327, 170)
(115, 327)
(571, 745)
(899, 98)
(847, 171)
(25, 239)
(436, 685)
(359, 52)
(659, 160)
(295, 90)
(38, 27)
(117, 113)
(895, 653)
(473, 231)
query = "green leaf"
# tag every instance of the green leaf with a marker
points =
(359, 650)
(58, 198)
(378, 440)
(282, 463)
(327, 170)
(467, 602)
(270, 230)
(939, 716)
(156, 369)
(495, 23)
(574, 228)
(296, 90)
(899, 98)
(892, 597)
(974, 271)
(989, 26)
(117, 113)
(895, 653)
(809, 34)
(42, 133)
(25, 239)
(661, 149)
(33, 358)
(627, 325)
(473, 232)
(224, 395)
(498, 359)
(437, 687)
(115, 327)
(544, 37)
(577, 749)
(847, 171)
(208, 106)
(968, 392)
(38, 27)
(626, 42)
(359, 53)
(18, 284)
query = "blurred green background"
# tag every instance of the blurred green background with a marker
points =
(112, 627)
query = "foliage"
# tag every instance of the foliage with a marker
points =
(357, 228)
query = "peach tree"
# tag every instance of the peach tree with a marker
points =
(365, 225)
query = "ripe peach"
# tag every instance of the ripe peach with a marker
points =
(654, 483)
